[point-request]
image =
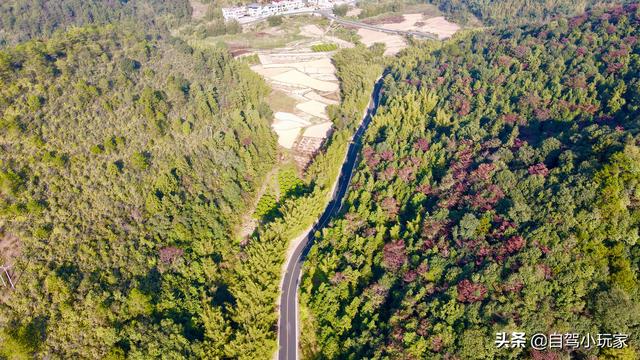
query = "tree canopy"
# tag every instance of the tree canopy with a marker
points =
(21, 20)
(127, 161)
(497, 191)
(509, 12)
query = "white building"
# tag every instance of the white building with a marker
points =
(283, 6)
(234, 13)
(321, 3)
(254, 10)
(270, 10)
(276, 7)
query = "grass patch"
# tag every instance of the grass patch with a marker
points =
(252, 59)
(380, 11)
(279, 101)
(346, 34)
(324, 47)
(428, 10)
(253, 40)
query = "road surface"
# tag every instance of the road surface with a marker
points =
(288, 323)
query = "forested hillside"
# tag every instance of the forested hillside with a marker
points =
(510, 12)
(251, 331)
(125, 163)
(497, 191)
(21, 20)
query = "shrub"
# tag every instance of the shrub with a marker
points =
(324, 47)
(274, 20)
(340, 10)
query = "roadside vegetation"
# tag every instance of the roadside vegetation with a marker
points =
(259, 273)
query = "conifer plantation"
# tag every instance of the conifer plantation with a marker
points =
(510, 12)
(127, 160)
(22, 20)
(497, 191)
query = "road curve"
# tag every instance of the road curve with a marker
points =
(288, 322)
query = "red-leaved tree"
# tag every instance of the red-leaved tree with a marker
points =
(394, 255)
(470, 292)
(170, 254)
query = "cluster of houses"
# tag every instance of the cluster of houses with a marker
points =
(276, 7)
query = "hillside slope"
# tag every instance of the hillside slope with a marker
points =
(510, 12)
(498, 191)
(22, 20)
(125, 163)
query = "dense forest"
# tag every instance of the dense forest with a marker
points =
(509, 12)
(498, 190)
(126, 162)
(21, 20)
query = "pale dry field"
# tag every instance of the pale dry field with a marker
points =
(300, 79)
(312, 95)
(407, 24)
(313, 31)
(439, 25)
(306, 79)
(436, 25)
(393, 43)
(314, 108)
(318, 66)
(319, 130)
(412, 22)
(288, 126)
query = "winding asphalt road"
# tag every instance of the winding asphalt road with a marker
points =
(288, 323)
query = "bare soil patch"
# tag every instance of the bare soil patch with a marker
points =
(440, 26)
(9, 248)
(199, 9)
(314, 108)
(416, 22)
(318, 131)
(311, 31)
(300, 79)
(354, 12)
(280, 101)
(411, 22)
(392, 19)
(393, 43)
